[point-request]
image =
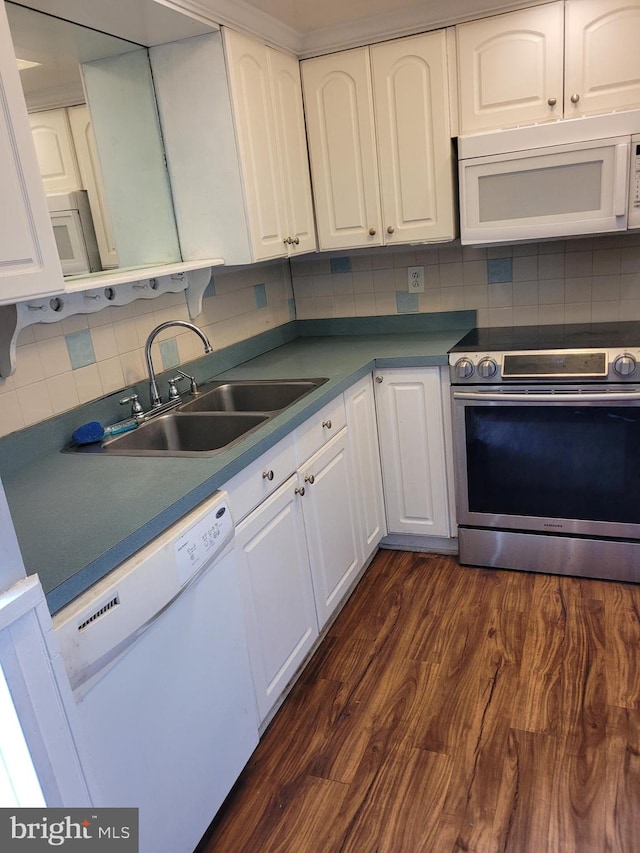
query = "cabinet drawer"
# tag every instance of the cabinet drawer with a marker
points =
(320, 428)
(262, 477)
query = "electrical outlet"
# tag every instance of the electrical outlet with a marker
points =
(415, 279)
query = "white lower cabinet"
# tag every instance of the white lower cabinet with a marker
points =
(277, 592)
(329, 521)
(411, 427)
(366, 475)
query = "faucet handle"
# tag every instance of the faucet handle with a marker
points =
(193, 390)
(174, 394)
(136, 406)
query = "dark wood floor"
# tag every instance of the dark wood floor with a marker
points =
(455, 709)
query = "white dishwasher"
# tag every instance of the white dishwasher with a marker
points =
(157, 658)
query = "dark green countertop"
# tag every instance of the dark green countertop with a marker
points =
(77, 516)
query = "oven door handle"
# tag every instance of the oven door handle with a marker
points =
(545, 397)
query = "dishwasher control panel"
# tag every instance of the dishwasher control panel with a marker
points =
(202, 541)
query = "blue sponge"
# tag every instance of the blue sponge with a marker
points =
(88, 433)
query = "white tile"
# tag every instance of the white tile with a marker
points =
(304, 308)
(525, 315)
(342, 283)
(133, 367)
(362, 281)
(144, 325)
(54, 356)
(525, 293)
(345, 306)
(450, 298)
(88, 384)
(630, 286)
(111, 375)
(605, 312)
(44, 331)
(474, 253)
(499, 252)
(577, 290)
(430, 301)
(451, 275)
(104, 340)
(303, 287)
(606, 262)
(404, 259)
(552, 247)
(365, 304)
(525, 249)
(474, 272)
(476, 296)
(382, 260)
(126, 335)
(28, 366)
(577, 312)
(324, 306)
(551, 292)
(321, 266)
(360, 263)
(386, 303)
(432, 277)
(26, 335)
(630, 259)
(551, 266)
(500, 295)
(578, 264)
(605, 288)
(75, 323)
(62, 392)
(630, 309)
(525, 268)
(34, 402)
(550, 314)
(450, 254)
(322, 286)
(500, 317)
(482, 317)
(11, 418)
(384, 281)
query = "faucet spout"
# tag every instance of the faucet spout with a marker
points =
(153, 385)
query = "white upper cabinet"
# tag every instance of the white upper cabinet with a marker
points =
(338, 97)
(560, 60)
(414, 146)
(510, 68)
(602, 56)
(266, 99)
(29, 263)
(379, 143)
(55, 151)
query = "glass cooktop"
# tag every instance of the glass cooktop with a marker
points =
(574, 336)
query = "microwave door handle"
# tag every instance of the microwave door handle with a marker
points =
(621, 179)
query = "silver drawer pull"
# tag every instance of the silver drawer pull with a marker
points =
(267, 475)
(299, 490)
(326, 424)
(310, 479)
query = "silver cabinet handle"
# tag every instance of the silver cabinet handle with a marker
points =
(552, 102)
(267, 475)
(390, 229)
(287, 240)
(372, 232)
(378, 379)
(296, 240)
(310, 479)
(575, 98)
(326, 424)
(299, 490)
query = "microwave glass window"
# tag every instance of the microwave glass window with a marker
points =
(63, 242)
(531, 193)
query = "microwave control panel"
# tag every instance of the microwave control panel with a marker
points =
(634, 187)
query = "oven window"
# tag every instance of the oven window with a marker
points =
(578, 462)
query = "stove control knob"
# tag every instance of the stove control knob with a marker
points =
(463, 368)
(487, 368)
(625, 364)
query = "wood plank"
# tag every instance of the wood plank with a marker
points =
(455, 709)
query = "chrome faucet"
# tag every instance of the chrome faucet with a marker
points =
(153, 385)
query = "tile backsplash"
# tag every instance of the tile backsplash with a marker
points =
(573, 281)
(64, 364)
(61, 365)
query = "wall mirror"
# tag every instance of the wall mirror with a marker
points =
(96, 131)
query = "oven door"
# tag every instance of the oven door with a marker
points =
(564, 460)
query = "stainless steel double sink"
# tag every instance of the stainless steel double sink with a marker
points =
(215, 419)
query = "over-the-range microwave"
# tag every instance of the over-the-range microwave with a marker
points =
(561, 179)
(74, 233)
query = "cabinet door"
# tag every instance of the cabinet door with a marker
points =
(55, 151)
(256, 137)
(91, 176)
(414, 142)
(411, 429)
(29, 263)
(602, 70)
(284, 72)
(277, 592)
(510, 68)
(342, 147)
(366, 476)
(330, 523)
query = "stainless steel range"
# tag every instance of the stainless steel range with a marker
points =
(546, 424)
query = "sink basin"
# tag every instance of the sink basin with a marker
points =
(251, 395)
(184, 434)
